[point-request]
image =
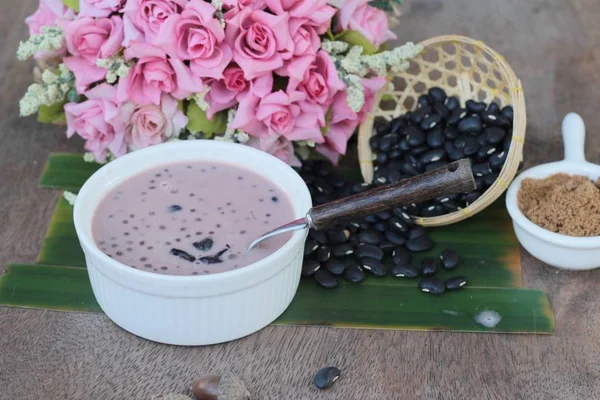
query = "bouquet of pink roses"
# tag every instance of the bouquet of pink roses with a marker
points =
(281, 75)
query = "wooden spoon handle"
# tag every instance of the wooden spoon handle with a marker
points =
(452, 178)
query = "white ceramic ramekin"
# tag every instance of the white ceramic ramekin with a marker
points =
(193, 310)
(568, 252)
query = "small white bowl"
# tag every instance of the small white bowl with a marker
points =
(193, 310)
(562, 251)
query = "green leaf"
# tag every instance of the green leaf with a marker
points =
(73, 4)
(67, 171)
(381, 4)
(54, 114)
(356, 38)
(198, 121)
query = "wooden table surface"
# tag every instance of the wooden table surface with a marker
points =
(553, 46)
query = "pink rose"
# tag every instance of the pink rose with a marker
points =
(144, 18)
(370, 21)
(233, 7)
(154, 74)
(196, 35)
(96, 121)
(48, 13)
(315, 76)
(226, 93)
(260, 41)
(372, 86)
(277, 146)
(280, 114)
(315, 13)
(94, 38)
(151, 124)
(99, 8)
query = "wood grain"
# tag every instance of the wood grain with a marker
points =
(554, 47)
(453, 178)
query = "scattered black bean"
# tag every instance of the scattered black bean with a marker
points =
(401, 256)
(431, 285)
(183, 255)
(175, 208)
(455, 283)
(204, 244)
(323, 254)
(354, 273)
(422, 243)
(341, 250)
(416, 232)
(326, 377)
(374, 266)
(325, 279)
(210, 260)
(335, 267)
(428, 266)
(370, 236)
(450, 259)
(368, 251)
(405, 271)
(395, 238)
(309, 267)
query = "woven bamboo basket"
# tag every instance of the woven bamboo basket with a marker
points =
(467, 69)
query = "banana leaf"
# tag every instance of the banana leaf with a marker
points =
(488, 247)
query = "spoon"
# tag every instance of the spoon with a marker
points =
(453, 178)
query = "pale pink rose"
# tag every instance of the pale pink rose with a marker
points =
(99, 8)
(154, 74)
(277, 146)
(196, 35)
(315, 13)
(85, 72)
(281, 114)
(92, 39)
(144, 18)
(370, 21)
(48, 13)
(372, 86)
(147, 125)
(97, 121)
(233, 7)
(315, 76)
(260, 41)
(226, 92)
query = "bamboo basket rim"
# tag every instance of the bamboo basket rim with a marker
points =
(515, 152)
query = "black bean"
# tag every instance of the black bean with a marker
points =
(413, 209)
(489, 180)
(416, 232)
(455, 283)
(475, 106)
(470, 125)
(309, 267)
(417, 151)
(395, 126)
(384, 215)
(451, 133)
(435, 138)
(470, 198)
(422, 243)
(175, 208)
(401, 256)
(335, 267)
(395, 154)
(409, 169)
(434, 210)
(462, 141)
(387, 247)
(368, 251)
(457, 154)
(360, 187)
(485, 152)
(354, 273)
(441, 110)
(456, 115)
(318, 236)
(432, 156)
(494, 134)
(493, 108)
(395, 165)
(405, 271)
(450, 259)
(430, 122)
(490, 118)
(415, 136)
(210, 260)
(374, 142)
(481, 139)
(371, 219)
(437, 94)
(326, 377)
(481, 169)
(204, 244)
(398, 225)
(381, 226)
(404, 145)
(184, 255)
(417, 116)
(323, 254)
(341, 250)
(336, 236)
(502, 122)
(508, 112)
(403, 215)
(450, 206)
(497, 160)
(431, 285)
(479, 186)
(337, 181)
(451, 103)
(471, 147)
(428, 266)
(325, 279)
(310, 246)
(374, 266)
(395, 238)
(370, 237)
(424, 100)
(388, 141)
(381, 158)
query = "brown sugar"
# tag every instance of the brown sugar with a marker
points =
(561, 203)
